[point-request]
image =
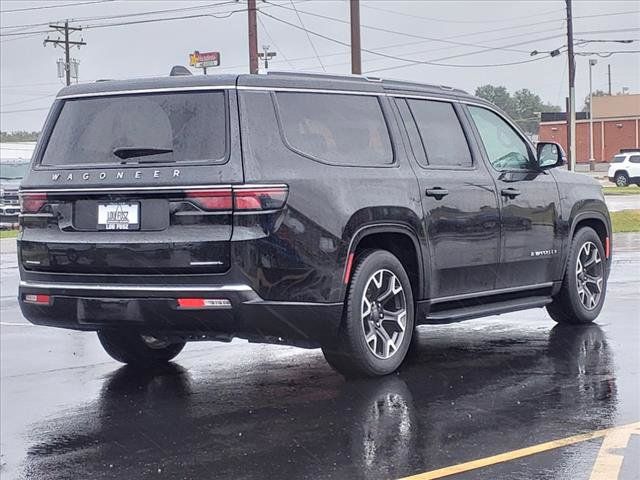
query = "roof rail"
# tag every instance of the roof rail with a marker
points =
(324, 75)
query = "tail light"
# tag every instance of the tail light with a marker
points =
(210, 200)
(240, 198)
(32, 202)
(259, 198)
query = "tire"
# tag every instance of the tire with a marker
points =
(389, 338)
(570, 306)
(621, 179)
(132, 348)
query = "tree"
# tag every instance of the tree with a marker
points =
(596, 93)
(524, 107)
(19, 136)
(499, 96)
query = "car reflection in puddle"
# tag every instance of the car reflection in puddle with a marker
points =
(461, 395)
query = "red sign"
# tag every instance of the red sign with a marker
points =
(204, 59)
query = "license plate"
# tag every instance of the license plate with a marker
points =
(119, 216)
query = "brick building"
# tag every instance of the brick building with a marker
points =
(616, 126)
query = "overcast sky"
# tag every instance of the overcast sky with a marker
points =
(29, 76)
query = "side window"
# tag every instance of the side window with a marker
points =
(339, 129)
(505, 148)
(442, 136)
(634, 158)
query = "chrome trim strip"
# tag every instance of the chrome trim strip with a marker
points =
(309, 90)
(123, 189)
(147, 90)
(243, 186)
(139, 288)
(213, 262)
(487, 293)
(36, 215)
(444, 97)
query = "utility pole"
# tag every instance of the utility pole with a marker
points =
(356, 61)
(66, 44)
(609, 72)
(571, 117)
(253, 36)
(266, 56)
(592, 63)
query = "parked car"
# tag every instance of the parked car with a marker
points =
(10, 175)
(625, 169)
(318, 211)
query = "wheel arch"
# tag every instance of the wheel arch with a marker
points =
(598, 222)
(395, 238)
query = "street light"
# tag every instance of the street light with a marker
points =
(592, 62)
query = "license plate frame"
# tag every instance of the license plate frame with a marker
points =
(118, 216)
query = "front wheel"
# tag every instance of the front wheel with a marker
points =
(584, 285)
(378, 320)
(621, 179)
(136, 349)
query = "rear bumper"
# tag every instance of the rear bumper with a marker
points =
(155, 309)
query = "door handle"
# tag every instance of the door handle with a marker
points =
(436, 192)
(510, 192)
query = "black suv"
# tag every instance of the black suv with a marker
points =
(310, 210)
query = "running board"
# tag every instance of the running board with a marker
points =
(487, 309)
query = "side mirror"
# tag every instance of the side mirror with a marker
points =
(550, 155)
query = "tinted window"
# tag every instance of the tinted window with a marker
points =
(618, 159)
(88, 130)
(634, 158)
(505, 148)
(442, 136)
(13, 171)
(338, 129)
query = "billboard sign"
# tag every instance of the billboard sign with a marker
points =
(204, 59)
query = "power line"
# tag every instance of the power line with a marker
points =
(410, 63)
(443, 20)
(606, 54)
(308, 36)
(385, 30)
(54, 6)
(393, 57)
(2, 112)
(128, 15)
(266, 32)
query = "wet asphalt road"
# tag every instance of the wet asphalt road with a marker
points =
(468, 391)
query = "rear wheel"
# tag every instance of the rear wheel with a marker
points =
(621, 179)
(133, 348)
(378, 320)
(585, 280)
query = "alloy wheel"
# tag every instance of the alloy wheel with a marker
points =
(384, 313)
(622, 181)
(589, 275)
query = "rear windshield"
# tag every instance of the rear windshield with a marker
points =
(182, 127)
(618, 159)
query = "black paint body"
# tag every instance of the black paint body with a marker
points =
(473, 243)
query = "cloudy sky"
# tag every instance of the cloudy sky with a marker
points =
(442, 42)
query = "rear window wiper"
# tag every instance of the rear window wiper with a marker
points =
(133, 152)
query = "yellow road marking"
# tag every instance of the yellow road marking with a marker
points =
(514, 454)
(609, 462)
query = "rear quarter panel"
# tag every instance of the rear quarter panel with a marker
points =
(302, 256)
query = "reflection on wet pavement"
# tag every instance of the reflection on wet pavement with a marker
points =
(453, 397)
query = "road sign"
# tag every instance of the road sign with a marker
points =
(204, 59)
